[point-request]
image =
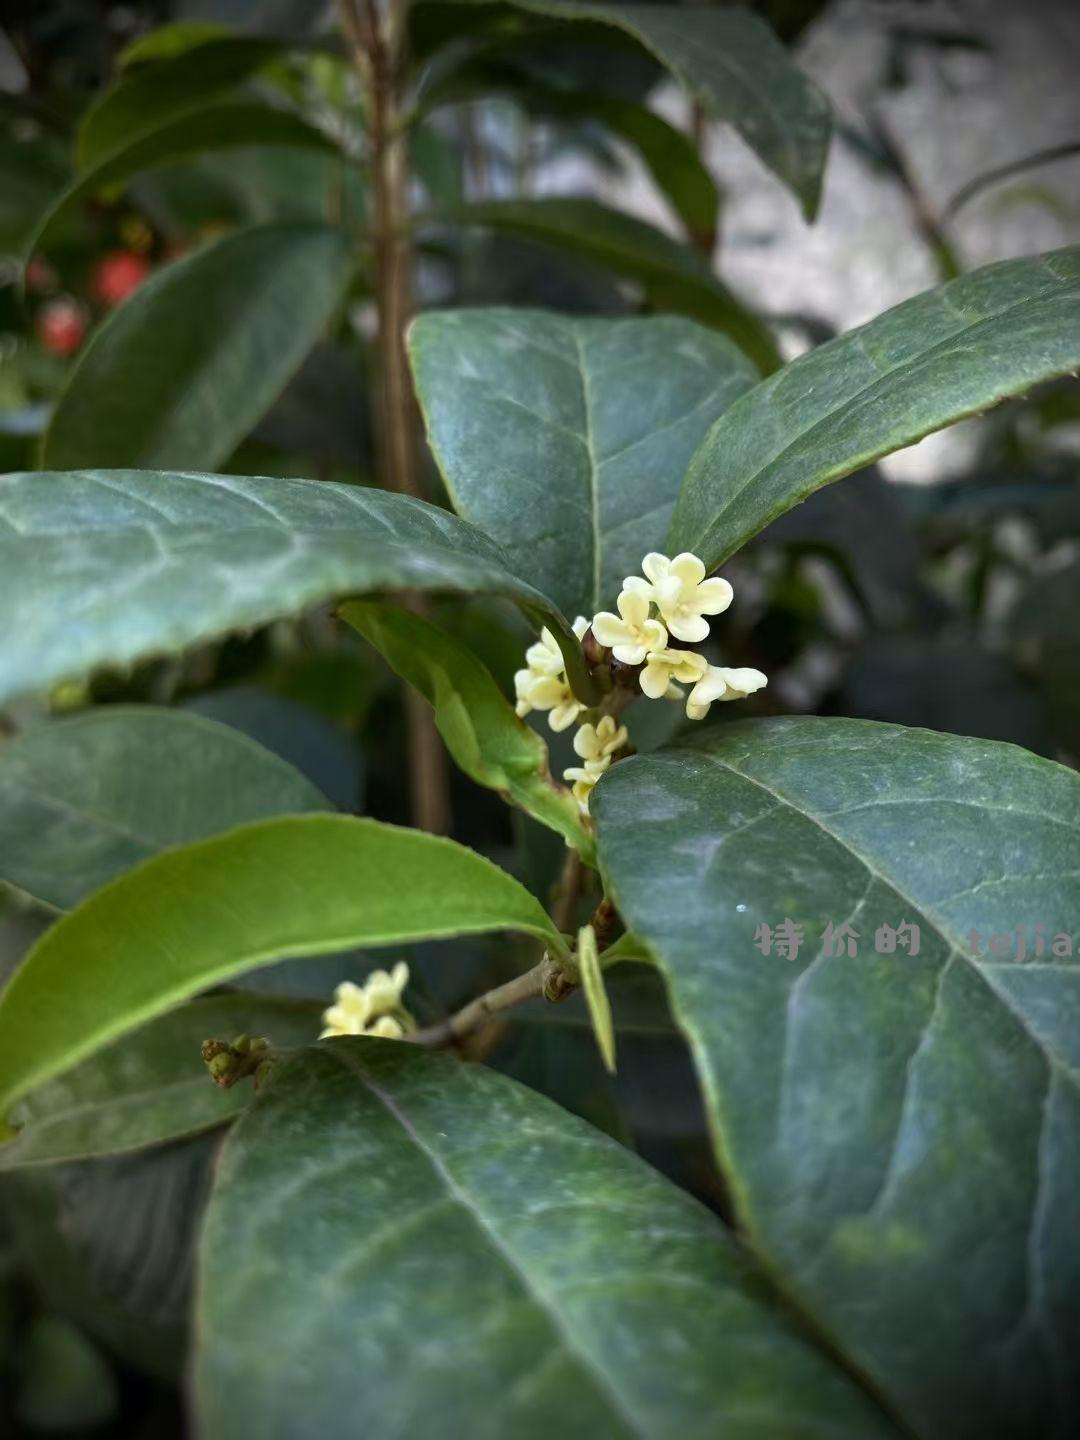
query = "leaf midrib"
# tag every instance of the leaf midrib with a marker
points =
(462, 1198)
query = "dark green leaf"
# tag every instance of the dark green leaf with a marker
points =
(565, 439)
(672, 276)
(65, 1382)
(733, 65)
(83, 799)
(152, 1085)
(948, 353)
(182, 371)
(197, 916)
(148, 563)
(226, 126)
(438, 1241)
(901, 1131)
(1044, 638)
(474, 718)
(151, 95)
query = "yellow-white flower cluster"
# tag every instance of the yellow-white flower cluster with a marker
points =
(596, 745)
(669, 600)
(373, 1008)
(543, 684)
(682, 597)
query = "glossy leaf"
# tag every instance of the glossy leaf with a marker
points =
(566, 439)
(439, 1241)
(946, 354)
(196, 916)
(734, 66)
(901, 1130)
(241, 316)
(151, 1086)
(85, 798)
(476, 721)
(673, 277)
(110, 567)
(226, 126)
(152, 94)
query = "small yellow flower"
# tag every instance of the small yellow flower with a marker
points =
(543, 684)
(596, 744)
(630, 634)
(683, 595)
(720, 683)
(364, 1009)
(662, 667)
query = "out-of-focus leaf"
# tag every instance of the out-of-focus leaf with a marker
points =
(85, 798)
(151, 95)
(673, 277)
(65, 1383)
(227, 126)
(1044, 637)
(181, 372)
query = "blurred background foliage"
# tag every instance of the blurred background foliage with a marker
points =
(949, 601)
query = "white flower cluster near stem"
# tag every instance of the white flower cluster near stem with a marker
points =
(373, 1008)
(543, 685)
(596, 745)
(682, 598)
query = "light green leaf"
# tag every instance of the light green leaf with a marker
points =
(196, 916)
(85, 798)
(110, 567)
(734, 66)
(592, 982)
(151, 95)
(901, 1131)
(948, 353)
(225, 126)
(672, 276)
(437, 1241)
(475, 720)
(152, 1085)
(566, 439)
(240, 317)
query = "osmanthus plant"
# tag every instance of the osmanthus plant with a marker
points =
(404, 1237)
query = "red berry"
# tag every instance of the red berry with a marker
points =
(41, 278)
(61, 325)
(116, 275)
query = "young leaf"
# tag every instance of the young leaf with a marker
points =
(227, 352)
(565, 439)
(151, 1086)
(592, 982)
(948, 353)
(110, 567)
(196, 916)
(673, 277)
(379, 1202)
(901, 1128)
(734, 66)
(85, 798)
(476, 722)
(150, 95)
(226, 126)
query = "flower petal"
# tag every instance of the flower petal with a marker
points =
(712, 597)
(655, 566)
(633, 607)
(609, 629)
(691, 628)
(688, 569)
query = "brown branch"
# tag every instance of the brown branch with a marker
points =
(377, 45)
(546, 979)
